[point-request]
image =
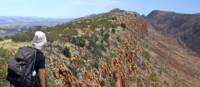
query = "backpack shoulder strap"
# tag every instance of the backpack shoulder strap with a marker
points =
(34, 59)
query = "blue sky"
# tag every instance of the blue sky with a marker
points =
(79, 8)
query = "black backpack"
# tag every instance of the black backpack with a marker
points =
(21, 68)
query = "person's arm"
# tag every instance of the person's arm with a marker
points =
(41, 74)
(41, 68)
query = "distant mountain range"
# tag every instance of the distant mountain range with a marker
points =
(184, 27)
(14, 19)
(12, 25)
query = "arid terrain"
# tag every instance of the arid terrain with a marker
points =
(114, 49)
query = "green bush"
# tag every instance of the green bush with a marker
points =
(66, 52)
(4, 53)
(106, 37)
(63, 33)
(153, 77)
(95, 65)
(4, 57)
(130, 78)
(69, 33)
(92, 42)
(21, 37)
(139, 82)
(113, 30)
(146, 55)
(102, 83)
(79, 41)
(123, 25)
(51, 38)
(112, 83)
(114, 18)
(3, 73)
(1, 39)
(154, 80)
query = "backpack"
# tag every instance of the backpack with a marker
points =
(22, 67)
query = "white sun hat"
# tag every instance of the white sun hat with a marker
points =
(39, 40)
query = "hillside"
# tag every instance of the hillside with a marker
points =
(184, 27)
(181, 65)
(114, 49)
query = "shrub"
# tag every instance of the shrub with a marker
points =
(79, 63)
(114, 18)
(4, 57)
(113, 30)
(102, 83)
(21, 37)
(3, 73)
(146, 55)
(112, 83)
(66, 52)
(4, 53)
(92, 42)
(113, 53)
(130, 78)
(154, 80)
(62, 33)
(123, 25)
(139, 82)
(69, 33)
(95, 65)
(51, 38)
(153, 77)
(106, 37)
(79, 41)
(1, 39)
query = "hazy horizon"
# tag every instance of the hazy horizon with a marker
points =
(80, 8)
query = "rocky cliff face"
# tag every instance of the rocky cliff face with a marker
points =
(184, 27)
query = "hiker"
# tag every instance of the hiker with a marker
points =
(28, 67)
